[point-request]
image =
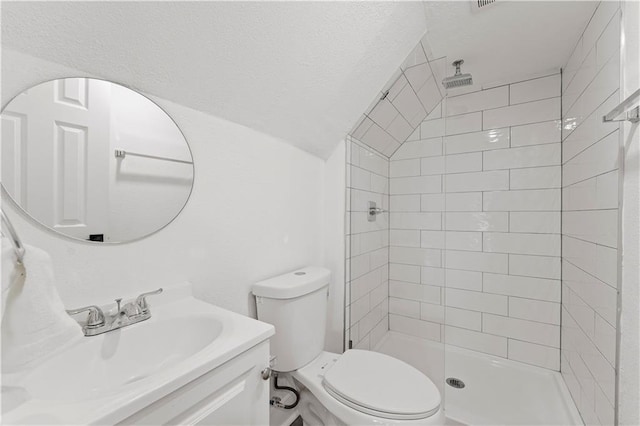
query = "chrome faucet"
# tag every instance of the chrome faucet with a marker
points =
(98, 322)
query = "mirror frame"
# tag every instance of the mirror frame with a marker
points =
(28, 218)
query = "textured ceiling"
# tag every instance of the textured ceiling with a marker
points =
(506, 41)
(300, 71)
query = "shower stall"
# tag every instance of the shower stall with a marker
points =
(482, 234)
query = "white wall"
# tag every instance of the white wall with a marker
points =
(629, 379)
(256, 211)
(590, 188)
(475, 224)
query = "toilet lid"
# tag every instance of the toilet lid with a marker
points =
(380, 385)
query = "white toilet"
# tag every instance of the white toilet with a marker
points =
(355, 388)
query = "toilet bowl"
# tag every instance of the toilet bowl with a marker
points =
(355, 388)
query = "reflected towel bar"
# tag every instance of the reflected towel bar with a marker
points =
(122, 154)
(633, 115)
(13, 236)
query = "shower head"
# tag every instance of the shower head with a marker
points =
(458, 79)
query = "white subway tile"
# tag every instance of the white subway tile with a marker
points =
(598, 226)
(477, 221)
(432, 239)
(464, 280)
(432, 276)
(417, 149)
(360, 265)
(598, 159)
(481, 342)
(404, 307)
(476, 301)
(409, 220)
(432, 165)
(609, 42)
(383, 113)
(432, 128)
(529, 331)
(536, 134)
(599, 192)
(534, 266)
(463, 240)
(478, 181)
(400, 129)
(534, 310)
(584, 133)
(470, 162)
(407, 103)
(407, 273)
(379, 184)
(530, 112)
(360, 178)
(432, 202)
(504, 242)
(473, 261)
(535, 222)
(464, 123)
(463, 318)
(605, 339)
(525, 200)
(411, 291)
(377, 138)
(527, 156)
(416, 185)
(530, 353)
(404, 203)
(600, 296)
(603, 85)
(423, 329)
(478, 101)
(404, 237)
(467, 202)
(414, 256)
(477, 141)
(429, 95)
(532, 288)
(599, 21)
(404, 168)
(533, 90)
(536, 178)
(431, 312)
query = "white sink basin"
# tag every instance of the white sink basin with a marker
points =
(103, 379)
(106, 363)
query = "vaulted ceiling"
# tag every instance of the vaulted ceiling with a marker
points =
(304, 72)
(300, 71)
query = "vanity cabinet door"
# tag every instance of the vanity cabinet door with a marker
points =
(232, 394)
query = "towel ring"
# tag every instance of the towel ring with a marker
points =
(15, 240)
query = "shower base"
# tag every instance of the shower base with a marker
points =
(496, 390)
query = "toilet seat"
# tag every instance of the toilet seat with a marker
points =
(381, 386)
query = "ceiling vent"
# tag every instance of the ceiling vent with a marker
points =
(482, 3)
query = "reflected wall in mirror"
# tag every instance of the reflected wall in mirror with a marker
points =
(69, 160)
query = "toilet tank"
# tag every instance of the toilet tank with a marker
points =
(296, 304)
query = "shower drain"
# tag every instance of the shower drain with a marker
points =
(456, 383)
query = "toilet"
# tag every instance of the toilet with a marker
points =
(357, 387)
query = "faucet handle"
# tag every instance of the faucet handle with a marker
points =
(95, 318)
(141, 301)
(118, 301)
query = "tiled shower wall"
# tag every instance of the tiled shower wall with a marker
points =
(590, 148)
(475, 224)
(367, 246)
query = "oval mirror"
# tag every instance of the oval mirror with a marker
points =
(94, 160)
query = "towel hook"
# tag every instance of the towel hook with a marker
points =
(15, 240)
